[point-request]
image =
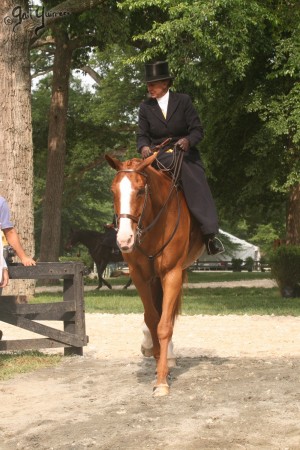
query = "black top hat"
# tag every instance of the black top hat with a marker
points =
(157, 71)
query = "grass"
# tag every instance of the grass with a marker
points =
(210, 276)
(239, 300)
(14, 363)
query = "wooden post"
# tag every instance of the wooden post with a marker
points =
(73, 290)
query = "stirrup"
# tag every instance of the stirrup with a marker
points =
(212, 248)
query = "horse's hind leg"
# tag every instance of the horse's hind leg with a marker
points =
(101, 280)
(106, 283)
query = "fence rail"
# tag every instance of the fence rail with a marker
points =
(71, 310)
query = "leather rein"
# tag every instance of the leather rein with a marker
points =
(138, 219)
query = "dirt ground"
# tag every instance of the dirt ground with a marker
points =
(236, 386)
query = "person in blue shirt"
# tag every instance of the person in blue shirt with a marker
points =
(11, 234)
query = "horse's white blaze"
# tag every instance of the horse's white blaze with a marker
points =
(125, 236)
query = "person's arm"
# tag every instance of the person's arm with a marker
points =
(5, 275)
(13, 240)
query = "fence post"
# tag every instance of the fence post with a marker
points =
(73, 290)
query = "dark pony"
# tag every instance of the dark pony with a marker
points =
(101, 254)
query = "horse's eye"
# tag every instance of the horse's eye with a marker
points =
(141, 192)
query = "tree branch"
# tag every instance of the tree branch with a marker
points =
(38, 74)
(42, 42)
(92, 73)
(39, 22)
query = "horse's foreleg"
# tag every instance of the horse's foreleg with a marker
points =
(147, 347)
(172, 285)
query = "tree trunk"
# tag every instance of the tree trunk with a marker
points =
(52, 205)
(16, 168)
(293, 216)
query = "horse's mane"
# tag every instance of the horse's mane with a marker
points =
(135, 162)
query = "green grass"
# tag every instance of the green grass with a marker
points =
(200, 277)
(14, 363)
(251, 301)
(211, 301)
(212, 276)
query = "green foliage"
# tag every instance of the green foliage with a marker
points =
(237, 264)
(264, 237)
(285, 268)
(99, 122)
(249, 264)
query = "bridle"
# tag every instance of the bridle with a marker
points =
(135, 219)
(138, 219)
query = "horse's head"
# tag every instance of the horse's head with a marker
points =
(130, 193)
(72, 240)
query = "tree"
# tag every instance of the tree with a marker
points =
(15, 129)
(99, 121)
(72, 43)
(21, 25)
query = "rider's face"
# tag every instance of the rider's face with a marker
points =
(158, 89)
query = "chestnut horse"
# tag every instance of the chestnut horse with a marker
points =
(159, 239)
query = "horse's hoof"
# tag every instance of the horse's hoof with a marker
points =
(161, 390)
(171, 362)
(147, 352)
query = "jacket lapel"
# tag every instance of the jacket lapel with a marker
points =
(155, 108)
(172, 105)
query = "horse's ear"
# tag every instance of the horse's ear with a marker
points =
(146, 162)
(113, 162)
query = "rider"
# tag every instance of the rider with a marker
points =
(166, 114)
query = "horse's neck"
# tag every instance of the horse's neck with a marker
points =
(160, 186)
(89, 239)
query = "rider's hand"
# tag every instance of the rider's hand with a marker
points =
(183, 144)
(145, 152)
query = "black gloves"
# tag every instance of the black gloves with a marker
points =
(145, 152)
(183, 144)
